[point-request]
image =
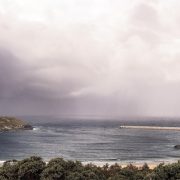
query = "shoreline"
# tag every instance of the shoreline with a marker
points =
(123, 164)
(139, 164)
(35, 166)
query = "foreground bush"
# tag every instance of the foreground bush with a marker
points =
(27, 169)
(34, 168)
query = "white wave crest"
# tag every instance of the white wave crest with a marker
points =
(36, 128)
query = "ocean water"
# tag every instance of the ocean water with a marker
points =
(92, 140)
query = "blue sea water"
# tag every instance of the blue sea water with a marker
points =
(92, 140)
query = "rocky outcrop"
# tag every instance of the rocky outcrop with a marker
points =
(177, 146)
(12, 123)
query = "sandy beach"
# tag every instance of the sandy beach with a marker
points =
(139, 164)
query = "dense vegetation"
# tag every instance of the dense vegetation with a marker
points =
(34, 168)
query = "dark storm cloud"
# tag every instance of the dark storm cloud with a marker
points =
(21, 91)
(11, 74)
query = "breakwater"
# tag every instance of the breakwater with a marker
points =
(151, 127)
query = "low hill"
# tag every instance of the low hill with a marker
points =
(12, 123)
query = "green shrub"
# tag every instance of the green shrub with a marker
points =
(34, 168)
(30, 168)
(58, 168)
(9, 170)
(54, 172)
(86, 175)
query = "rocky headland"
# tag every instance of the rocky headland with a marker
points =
(12, 123)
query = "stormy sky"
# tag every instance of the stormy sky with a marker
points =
(90, 57)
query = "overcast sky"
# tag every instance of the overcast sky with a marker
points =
(90, 57)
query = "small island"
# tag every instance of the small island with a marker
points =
(12, 123)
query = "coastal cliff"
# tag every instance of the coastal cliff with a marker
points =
(12, 123)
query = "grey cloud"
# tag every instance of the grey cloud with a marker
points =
(146, 16)
(124, 65)
(21, 89)
(10, 74)
(23, 92)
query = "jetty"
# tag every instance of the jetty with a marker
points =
(150, 127)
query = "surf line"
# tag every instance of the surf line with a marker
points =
(150, 127)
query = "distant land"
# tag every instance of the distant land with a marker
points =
(12, 123)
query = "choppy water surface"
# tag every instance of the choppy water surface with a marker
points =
(87, 140)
